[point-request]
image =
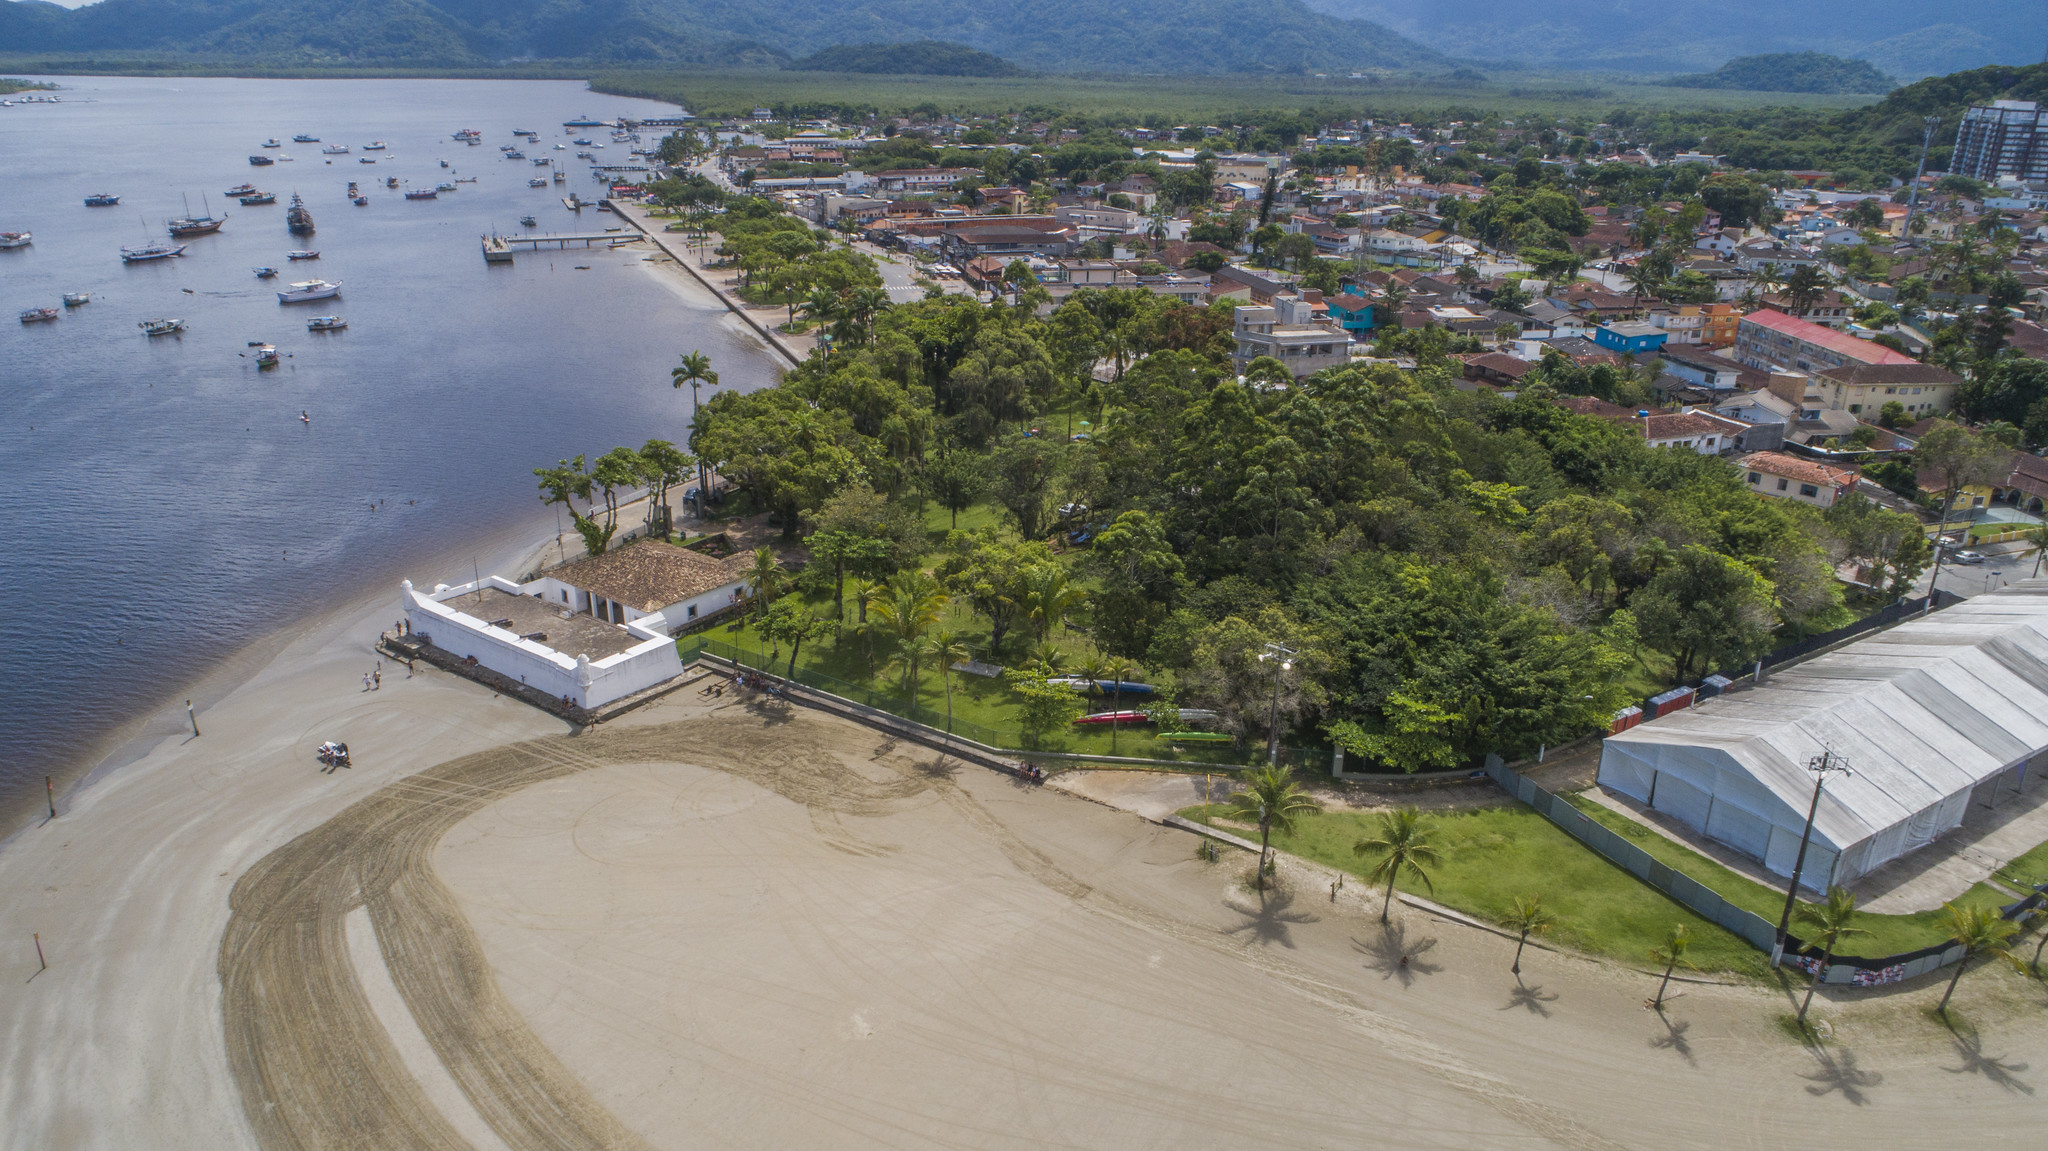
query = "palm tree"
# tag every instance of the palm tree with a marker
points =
(1671, 955)
(1980, 931)
(1642, 279)
(821, 306)
(864, 592)
(1049, 660)
(1526, 917)
(1048, 594)
(695, 371)
(1270, 798)
(1826, 926)
(1764, 277)
(1402, 845)
(911, 603)
(949, 649)
(2037, 538)
(764, 577)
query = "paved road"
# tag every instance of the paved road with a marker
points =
(1999, 569)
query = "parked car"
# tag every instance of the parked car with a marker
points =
(1968, 557)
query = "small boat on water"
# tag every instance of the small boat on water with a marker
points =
(524, 132)
(360, 201)
(242, 190)
(196, 225)
(261, 161)
(507, 148)
(75, 299)
(266, 355)
(160, 327)
(265, 273)
(366, 160)
(515, 155)
(302, 255)
(335, 150)
(302, 138)
(465, 179)
(561, 177)
(584, 122)
(469, 134)
(351, 187)
(273, 142)
(422, 194)
(580, 142)
(16, 239)
(374, 146)
(326, 324)
(258, 198)
(444, 186)
(39, 315)
(102, 200)
(536, 183)
(156, 250)
(529, 221)
(585, 156)
(298, 220)
(305, 290)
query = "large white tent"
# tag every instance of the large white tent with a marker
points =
(1929, 716)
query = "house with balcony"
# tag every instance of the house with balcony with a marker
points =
(1287, 330)
(1353, 313)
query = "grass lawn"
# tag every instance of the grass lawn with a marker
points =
(1889, 934)
(1491, 855)
(2028, 869)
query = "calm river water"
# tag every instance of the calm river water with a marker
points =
(164, 494)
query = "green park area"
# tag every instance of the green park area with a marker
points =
(1490, 856)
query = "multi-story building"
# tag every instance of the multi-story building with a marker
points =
(2002, 138)
(1286, 330)
(1765, 339)
(1864, 389)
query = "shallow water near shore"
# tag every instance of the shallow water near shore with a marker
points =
(169, 505)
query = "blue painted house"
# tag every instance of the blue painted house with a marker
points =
(1353, 313)
(1630, 337)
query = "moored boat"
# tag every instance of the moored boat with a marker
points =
(326, 324)
(515, 155)
(102, 200)
(74, 299)
(261, 161)
(360, 201)
(374, 146)
(39, 315)
(422, 194)
(298, 220)
(444, 186)
(465, 179)
(529, 221)
(160, 327)
(365, 160)
(196, 225)
(156, 250)
(242, 190)
(265, 273)
(266, 355)
(16, 239)
(391, 181)
(302, 138)
(302, 255)
(255, 199)
(305, 290)
(469, 134)
(536, 183)
(335, 150)
(273, 142)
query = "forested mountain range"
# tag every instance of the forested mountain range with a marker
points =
(1281, 36)
(1792, 72)
(1906, 38)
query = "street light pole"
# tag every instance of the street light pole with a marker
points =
(1283, 659)
(1820, 765)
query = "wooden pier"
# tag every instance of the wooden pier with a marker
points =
(499, 249)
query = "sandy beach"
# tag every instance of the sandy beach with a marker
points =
(720, 923)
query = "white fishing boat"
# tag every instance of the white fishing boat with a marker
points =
(266, 355)
(469, 134)
(515, 155)
(374, 146)
(335, 150)
(16, 239)
(242, 190)
(326, 324)
(444, 186)
(302, 255)
(273, 142)
(156, 250)
(536, 183)
(160, 327)
(265, 273)
(39, 315)
(305, 290)
(75, 299)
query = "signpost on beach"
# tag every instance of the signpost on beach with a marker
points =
(193, 716)
(52, 793)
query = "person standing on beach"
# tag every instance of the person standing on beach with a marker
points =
(377, 679)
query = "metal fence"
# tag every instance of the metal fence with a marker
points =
(1010, 738)
(1708, 904)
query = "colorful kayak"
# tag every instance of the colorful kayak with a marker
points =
(1113, 717)
(1196, 737)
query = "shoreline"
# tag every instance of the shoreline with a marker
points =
(638, 216)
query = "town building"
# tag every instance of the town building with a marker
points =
(1766, 339)
(2002, 138)
(1630, 337)
(1701, 432)
(1864, 389)
(1788, 477)
(1287, 331)
(1930, 717)
(1830, 309)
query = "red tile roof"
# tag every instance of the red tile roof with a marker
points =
(1794, 468)
(1839, 343)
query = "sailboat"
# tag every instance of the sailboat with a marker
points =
(190, 225)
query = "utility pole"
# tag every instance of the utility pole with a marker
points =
(1283, 660)
(1820, 765)
(1940, 542)
(193, 716)
(1913, 194)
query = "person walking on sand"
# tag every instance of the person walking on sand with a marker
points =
(366, 681)
(377, 680)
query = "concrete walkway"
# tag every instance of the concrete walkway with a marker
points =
(763, 319)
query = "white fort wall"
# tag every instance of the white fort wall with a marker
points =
(587, 683)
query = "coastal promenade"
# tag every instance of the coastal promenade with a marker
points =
(762, 318)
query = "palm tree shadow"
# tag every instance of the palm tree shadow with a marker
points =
(1991, 1067)
(1394, 956)
(1531, 998)
(941, 767)
(1674, 1038)
(1838, 1072)
(1270, 920)
(769, 709)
